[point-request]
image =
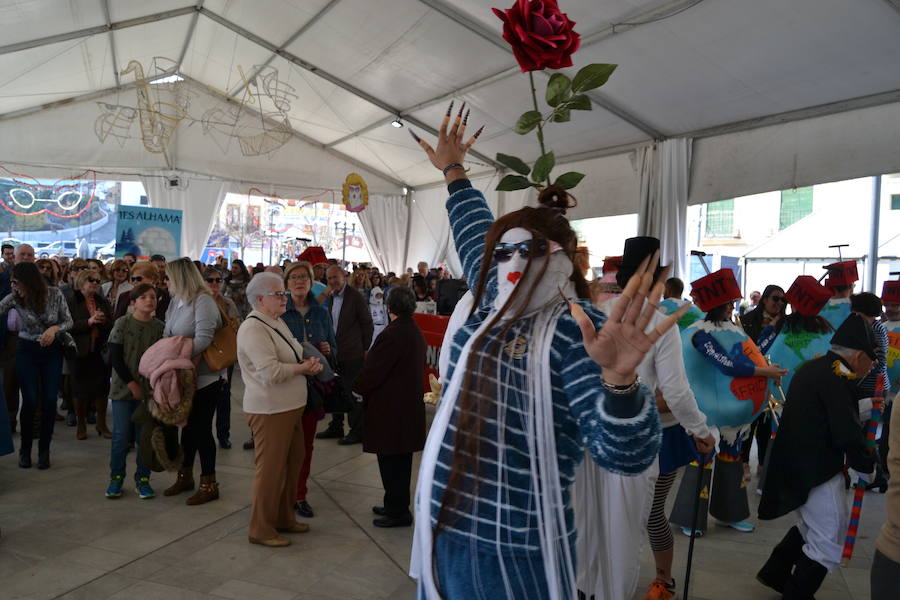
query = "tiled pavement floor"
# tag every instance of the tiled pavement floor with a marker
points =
(62, 539)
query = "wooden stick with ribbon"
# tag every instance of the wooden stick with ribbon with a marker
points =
(856, 510)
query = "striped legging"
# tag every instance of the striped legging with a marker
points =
(658, 528)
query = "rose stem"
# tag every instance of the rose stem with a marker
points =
(540, 128)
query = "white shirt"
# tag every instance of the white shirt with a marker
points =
(663, 369)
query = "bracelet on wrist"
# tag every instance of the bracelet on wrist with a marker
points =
(621, 390)
(446, 169)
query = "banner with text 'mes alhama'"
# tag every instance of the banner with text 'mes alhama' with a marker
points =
(145, 231)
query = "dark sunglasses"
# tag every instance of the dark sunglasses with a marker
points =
(777, 299)
(214, 280)
(137, 279)
(76, 269)
(537, 247)
(93, 280)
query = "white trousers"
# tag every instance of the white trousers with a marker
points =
(823, 522)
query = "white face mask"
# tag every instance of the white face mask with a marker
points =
(511, 274)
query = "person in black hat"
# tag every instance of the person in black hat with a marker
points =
(820, 430)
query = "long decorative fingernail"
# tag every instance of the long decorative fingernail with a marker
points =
(477, 133)
(461, 109)
(450, 109)
(466, 118)
(414, 136)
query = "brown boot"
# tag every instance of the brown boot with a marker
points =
(208, 491)
(102, 429)
(183, 483)
(80, 418)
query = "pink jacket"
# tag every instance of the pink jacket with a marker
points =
(160, 364)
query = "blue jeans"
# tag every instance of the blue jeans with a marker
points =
(121, 433)
(39, 370)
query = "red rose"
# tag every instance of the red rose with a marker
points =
(540, 35)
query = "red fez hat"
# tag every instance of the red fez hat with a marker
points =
(841, 274)
(612, 264)
(715, 289)
(807, 296)
(891, 291)
(314, 255)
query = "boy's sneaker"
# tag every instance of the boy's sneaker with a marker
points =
(687, 531)
(115, 487)
(660, 590)
(742, 526)
(142, 485)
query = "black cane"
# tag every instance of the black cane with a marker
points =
(690, 557)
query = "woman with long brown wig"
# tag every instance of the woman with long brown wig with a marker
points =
(533, 383)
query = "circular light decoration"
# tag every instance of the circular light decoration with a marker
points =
(355, 193)
(64, 198)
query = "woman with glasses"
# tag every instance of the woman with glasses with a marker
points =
(193, 313)
(310, 322)
(146, 272)
(770, 311)
(273, 367)
(360, 280)
(89, 373)
(50, 271)
(42, 314)
(214, 280)
(76, 266)
(118, 283)
(236, 286)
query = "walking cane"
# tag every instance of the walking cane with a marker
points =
(877, 406)
(690, 556)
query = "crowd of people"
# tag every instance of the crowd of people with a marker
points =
(567, 408)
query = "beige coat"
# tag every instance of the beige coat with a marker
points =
(267, 366)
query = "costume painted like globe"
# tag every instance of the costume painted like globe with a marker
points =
(693, 314)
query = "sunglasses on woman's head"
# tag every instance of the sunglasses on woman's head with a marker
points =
(214, 280)
(537, 247)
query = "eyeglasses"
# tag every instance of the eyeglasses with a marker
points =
(214, 280)
(777, 299)
(76, 269)
(538, 247)
(298, 278)
(93, 280)
(278, 294)
(136, 279)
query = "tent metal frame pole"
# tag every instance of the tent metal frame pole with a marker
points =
(306, 26)
(189, 36)
(327, 76)
(112, 43)
(89, 31)
(872, 259)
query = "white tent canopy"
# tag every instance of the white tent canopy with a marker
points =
(772, 94)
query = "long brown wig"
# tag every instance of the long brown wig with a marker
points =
(29, 280)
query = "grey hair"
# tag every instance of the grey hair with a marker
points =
(260, 285)
(401, 301)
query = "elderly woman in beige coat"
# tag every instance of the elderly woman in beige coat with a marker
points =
(274, 375)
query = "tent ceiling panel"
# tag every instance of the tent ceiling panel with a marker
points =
(729, 61)
(277, 23)
(325, 105)
(54, 72)
(216, 56)
(368, 153)
(163, 39)
(384, 51)
(122, 11)
(25, 20)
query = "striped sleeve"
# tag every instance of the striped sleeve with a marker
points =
(624, 445)
(470, 219)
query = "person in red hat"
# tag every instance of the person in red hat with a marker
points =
(805, 334)
(841, 278)
(728, 375)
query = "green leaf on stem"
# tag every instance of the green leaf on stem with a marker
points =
(512, 182)
(579, 102)
(528, 121)
(513, 162)
(569, 180)
(543, 166)
(592, 76)
(558, 88)
(562, 115)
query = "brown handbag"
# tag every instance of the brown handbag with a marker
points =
(222, 351)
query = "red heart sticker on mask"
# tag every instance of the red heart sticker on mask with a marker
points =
(514, 277)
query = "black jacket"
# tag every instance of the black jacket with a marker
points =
(819, 427)
(81, 331)
(354, 327)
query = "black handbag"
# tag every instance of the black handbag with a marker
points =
(339, 397)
